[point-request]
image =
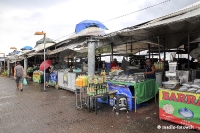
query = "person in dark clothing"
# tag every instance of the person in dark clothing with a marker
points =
(18, 76)
(149, 70)
(47, 76)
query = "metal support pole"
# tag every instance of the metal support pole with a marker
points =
(25, 64)
(4, 66)
(112, 52)
(164, 60)
(152, 57)
(149, 51)
(8, 67)
(159, 48)
(188, 50)
(126, 51)
(92, 42)
(178, 53)
(44, 63)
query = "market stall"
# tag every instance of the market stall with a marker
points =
(136, 92)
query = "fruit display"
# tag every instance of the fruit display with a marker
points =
(113, 69)
(29, 70)
(4, 73)
(159, 65)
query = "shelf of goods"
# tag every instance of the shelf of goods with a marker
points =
(180, 106)
(38, 76)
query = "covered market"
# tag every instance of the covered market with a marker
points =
(78, 64)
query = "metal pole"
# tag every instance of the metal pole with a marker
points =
(8, 66)
(25, 65)
(159, 47)
(126, 51)
(15, 60)
(188, 50)
(149, 51)
(178, 53)
(164, 60)
(91, 56)
(44, 64)
(112, 52)
(4, 64)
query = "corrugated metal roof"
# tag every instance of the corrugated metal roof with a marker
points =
(174, 27)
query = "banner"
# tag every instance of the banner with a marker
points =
(37, 77)
(103, 49)
(99, 50)
(65, 79)
(180, 107)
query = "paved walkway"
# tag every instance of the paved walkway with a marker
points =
(54, 111)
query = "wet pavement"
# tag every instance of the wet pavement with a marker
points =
(54, 111)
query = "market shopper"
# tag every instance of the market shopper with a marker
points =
(114, 63)
(47, 76)
(18, 76)
(149, 70)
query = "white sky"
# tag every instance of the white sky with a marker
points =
(20, 19)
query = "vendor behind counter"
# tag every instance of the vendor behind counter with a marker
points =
(149, 70)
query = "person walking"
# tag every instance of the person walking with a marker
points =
(18, 76)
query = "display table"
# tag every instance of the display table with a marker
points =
(37, 77)
(180, 107)
(143, 91)
(82, 96)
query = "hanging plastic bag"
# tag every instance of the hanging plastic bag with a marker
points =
(25, 81)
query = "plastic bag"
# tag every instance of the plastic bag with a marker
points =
(25, 81)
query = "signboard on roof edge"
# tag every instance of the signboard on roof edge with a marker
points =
(99, 50)
(103, 49)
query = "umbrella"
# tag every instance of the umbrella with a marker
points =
(47, 64)
(89, 23)
(27, 48)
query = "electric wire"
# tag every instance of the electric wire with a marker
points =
(123, 16)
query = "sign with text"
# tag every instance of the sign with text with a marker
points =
(37, 77)
(103, 49)
(180, 107)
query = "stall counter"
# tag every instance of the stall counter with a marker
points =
(144, 90)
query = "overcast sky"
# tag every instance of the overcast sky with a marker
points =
(20, 19)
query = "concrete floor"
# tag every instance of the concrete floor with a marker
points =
(54, 111)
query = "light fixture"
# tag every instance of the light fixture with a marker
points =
(43, 33)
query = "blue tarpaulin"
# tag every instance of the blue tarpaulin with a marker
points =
(89, 23)
(27, 48)
(14, 53)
